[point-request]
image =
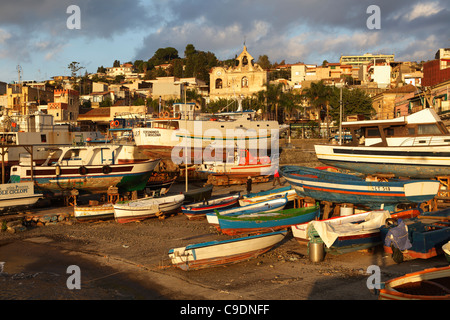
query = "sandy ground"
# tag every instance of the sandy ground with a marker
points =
(130, 262)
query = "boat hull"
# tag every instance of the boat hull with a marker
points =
(199, 210)
(345, 188)
(127, 177)
(219, 253)
(423, 285)
(263, 221)
(97, 212)
(266, 206)
(15, 195)
(426, 235)
(141, 209)
(413, 162)
(267, 195)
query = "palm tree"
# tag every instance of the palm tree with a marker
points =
(319, 96)
(273, 94)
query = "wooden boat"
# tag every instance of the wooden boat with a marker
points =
(264, 221)
(157, 184)
(16, 195)
(266, 206)
(198, 194)
(446, 249)
(219, 253)
(428, 284)
(421, 237)
(337, 187)
(140, 209)
(414, 146)
(348, 233)
(200, 209)
(94, 212)
(269, 194)
(244, 164)
(89, 169)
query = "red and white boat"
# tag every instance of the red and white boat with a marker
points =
(242, 164)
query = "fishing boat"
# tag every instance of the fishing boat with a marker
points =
(242, 164)
(349, 233)
(140, 209)
(264, 221)
(90, 169)
(94, 212)
(421, 237)
(415, 146)
(446, 249)
(267, 195)
(219, 253)
(428, 284)
(198, 194)
(338, 187)
(265, 206)
(300, 231)
(169, 133)
(199, 210)
(16, 195)
(37, 132)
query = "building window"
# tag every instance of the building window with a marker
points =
(244, 82)
(219, 83)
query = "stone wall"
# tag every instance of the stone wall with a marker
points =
(300, 152)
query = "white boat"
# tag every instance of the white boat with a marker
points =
(242, 164)
(38, 131)
(15, 195)
(218, 253)
(268, 195)
(90, 169)
(414, 146)
(264, 206)
(205, 136)
(140, 209)
(94, 212)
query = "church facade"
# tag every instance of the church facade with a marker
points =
(242, 80)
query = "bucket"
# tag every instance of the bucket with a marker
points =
(316, 251)
(346, 211)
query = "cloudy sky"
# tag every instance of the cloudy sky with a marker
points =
(34, 33)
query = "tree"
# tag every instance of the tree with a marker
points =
(354, 101)
(263, 62)
(116, 63)
(319, 95)
(74, 68)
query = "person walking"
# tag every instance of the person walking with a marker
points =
(276, 177)
(249, 185)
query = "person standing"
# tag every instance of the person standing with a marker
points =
(249, 185)
(276, 177)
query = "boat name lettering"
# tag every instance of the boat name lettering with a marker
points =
(152, 133)
(16, 190)
(379, 188)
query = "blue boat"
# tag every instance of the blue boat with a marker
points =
(337, 187)
(265, 221)
(266, 206)
(200, 209)
(421, 237)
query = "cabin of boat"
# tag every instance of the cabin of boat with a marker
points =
(418, 129)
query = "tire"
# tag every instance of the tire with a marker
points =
(83, 170)
(106, 169)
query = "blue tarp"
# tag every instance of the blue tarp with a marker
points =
(398, 236)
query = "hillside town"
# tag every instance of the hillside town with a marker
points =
(394, 88)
